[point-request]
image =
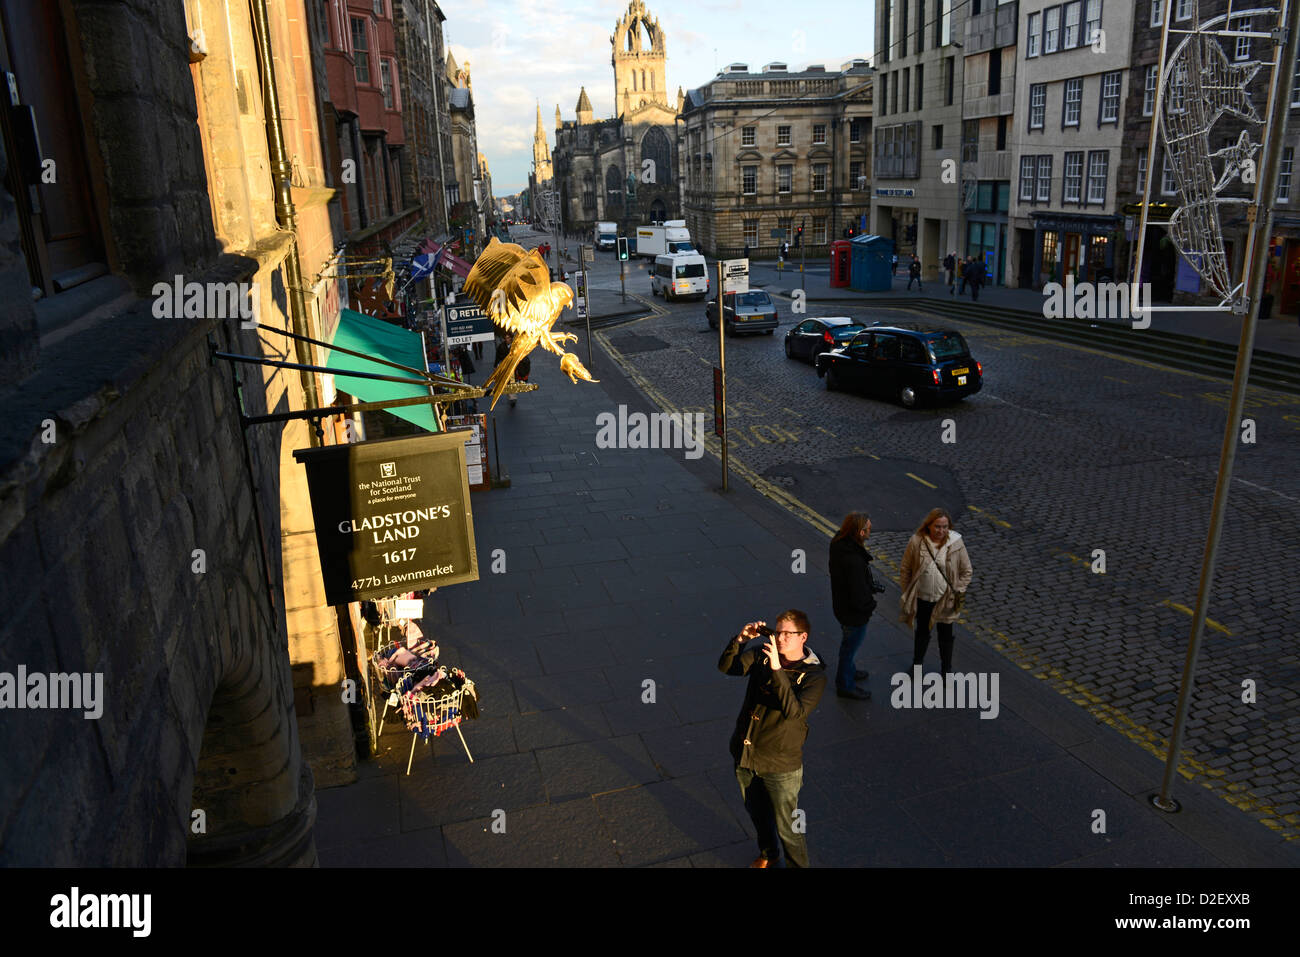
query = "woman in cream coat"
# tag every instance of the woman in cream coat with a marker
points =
(935, 570)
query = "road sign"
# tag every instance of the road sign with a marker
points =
(580, 294)
(467, 323)
(735, 275)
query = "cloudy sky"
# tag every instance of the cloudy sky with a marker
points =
(547, 50)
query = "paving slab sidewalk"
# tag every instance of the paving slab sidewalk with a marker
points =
(604, 728)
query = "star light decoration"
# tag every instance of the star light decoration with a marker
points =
(1202, 85)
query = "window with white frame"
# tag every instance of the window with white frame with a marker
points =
(386, 81)
(784, 177)
(1072, 188)
(1183, 10)
(1177, 89)
(1149, 91)
(1284, 175)
(1052, 30)
(1141, 186)
(1044, 179)
(855, 131)
(1110, 83)
(361, 49)
(747, 136)
(819, 230)
(749, 180)
(819, 133)
(783, 136)
(1243, 43)
(751, 232)
(1073, 101)
(1037, 105)
(1157, 13)
(855, 176)
(1098, 165)
(819, 178)
(1028, 167)
(1033, 34)
(1168, 185)
(1070, 31)
(1091, 21)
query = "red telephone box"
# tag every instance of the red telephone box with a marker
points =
(841, 259)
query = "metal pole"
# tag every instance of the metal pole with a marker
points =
(1256, 252)
(1135, 271)
(722, 364)
(586, 297)
(803, 255)
(622, 279)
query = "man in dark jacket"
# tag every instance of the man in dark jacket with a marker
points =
(914, 273)
(975, 276)
(852, 598)
(786, 680)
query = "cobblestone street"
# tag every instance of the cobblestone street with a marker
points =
(1065, 451)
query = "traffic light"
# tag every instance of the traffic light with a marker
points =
(798, 236)
(622, 248)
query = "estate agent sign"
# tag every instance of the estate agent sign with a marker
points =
(391, 516)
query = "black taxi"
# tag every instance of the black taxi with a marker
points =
(909, 365)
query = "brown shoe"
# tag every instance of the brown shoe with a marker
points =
(761, 862)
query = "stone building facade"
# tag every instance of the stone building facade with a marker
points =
(921, 81)
(421, 61)
(623, 169)
(773, 150)
(147, 537)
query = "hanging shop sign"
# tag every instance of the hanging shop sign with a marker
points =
(467, 323)
(735, 275)
(391, 515)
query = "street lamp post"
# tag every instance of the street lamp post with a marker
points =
(961, 149)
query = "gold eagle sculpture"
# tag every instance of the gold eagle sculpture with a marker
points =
(514, 289)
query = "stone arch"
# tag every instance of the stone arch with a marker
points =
(614, 186)
(655, 146)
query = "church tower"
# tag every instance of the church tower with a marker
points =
(638, 60)
(584, 107)
(541, 150)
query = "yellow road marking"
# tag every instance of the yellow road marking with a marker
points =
(1210, 622)
(1075, 558)
(1114, 379)
(1193, 770)
(989, 515)
(1172, 395)
(921, 480)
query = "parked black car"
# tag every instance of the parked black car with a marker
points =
(812, 337)
(752, 311)
(909, 365)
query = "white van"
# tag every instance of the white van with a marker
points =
(680, 275)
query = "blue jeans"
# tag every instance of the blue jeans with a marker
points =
(851, 641)
(771, 800)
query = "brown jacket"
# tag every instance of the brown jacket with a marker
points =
(956, 568)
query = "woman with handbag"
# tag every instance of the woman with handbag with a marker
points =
(934, 576)
(853, 598)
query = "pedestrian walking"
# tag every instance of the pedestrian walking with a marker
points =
(950, 267)
(914, 273)
(893, 265)
(853, 598)
(934, 576)
(786, 680)
(975, 276)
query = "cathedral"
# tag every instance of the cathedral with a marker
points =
(622, 169)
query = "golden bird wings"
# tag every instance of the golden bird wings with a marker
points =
(505, 281)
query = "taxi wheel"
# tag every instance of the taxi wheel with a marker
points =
(789, 353)
(832, 383)
(907, 396)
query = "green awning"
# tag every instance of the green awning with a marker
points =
(382, 339)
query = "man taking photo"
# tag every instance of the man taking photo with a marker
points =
(786, 680)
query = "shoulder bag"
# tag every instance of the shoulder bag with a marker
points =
(959, 596)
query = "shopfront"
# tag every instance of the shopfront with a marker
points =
(1082, 246)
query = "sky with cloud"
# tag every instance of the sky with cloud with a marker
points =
(520, 53)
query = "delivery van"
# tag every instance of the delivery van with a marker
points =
(605, 235)
(663, 239)
(679, 276)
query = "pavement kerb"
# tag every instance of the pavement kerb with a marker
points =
(1191, 769)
